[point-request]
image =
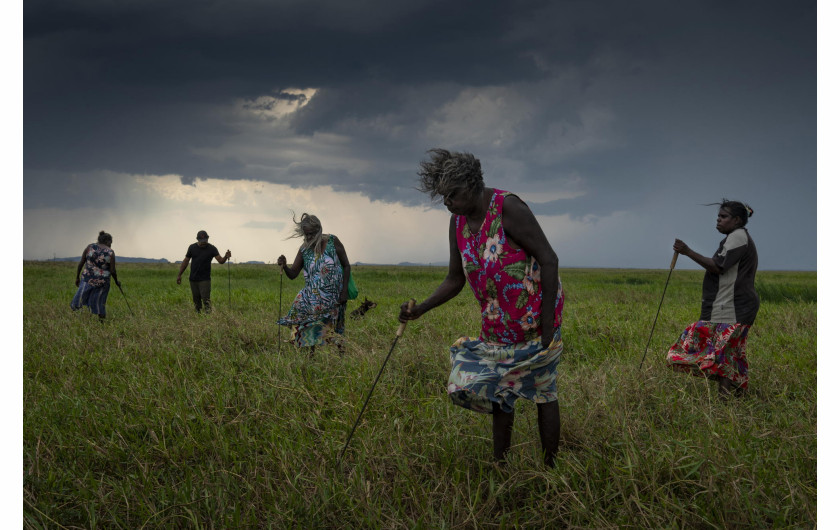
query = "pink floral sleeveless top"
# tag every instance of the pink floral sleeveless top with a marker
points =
(505, 280)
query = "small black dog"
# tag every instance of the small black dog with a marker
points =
(360, 311)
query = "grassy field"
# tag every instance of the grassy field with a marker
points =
(166, 418)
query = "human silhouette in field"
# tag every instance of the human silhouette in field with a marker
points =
(97, 266)
(201, 254)
(715, 345)
(498, 247)
(317, 313)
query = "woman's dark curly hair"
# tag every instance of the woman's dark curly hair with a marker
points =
(736, 208)
(104, 237)
(446, 172)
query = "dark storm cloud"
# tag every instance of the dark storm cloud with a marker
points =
(705, 92)
(133, 86)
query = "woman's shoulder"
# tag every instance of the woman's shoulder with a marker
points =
(737, 237)
(502, 197)
(513, 204)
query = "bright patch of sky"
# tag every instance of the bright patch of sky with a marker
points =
(158, 216)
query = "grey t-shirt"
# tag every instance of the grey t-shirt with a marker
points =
(730, 297)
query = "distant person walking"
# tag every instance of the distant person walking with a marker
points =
(317, 313)
(97, 266)
(715, 345)
(497, 245)
(201, 254)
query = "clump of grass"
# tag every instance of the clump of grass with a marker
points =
(169, 418)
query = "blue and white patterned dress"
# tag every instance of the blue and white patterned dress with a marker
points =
(316, 316)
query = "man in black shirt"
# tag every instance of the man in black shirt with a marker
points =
(202, 254)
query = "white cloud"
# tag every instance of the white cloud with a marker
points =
(545, 121)
(482, 116)
(278, 105)
(218, 193)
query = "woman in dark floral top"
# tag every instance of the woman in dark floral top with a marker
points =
(97, 266)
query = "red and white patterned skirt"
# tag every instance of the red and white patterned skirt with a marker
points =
(711, 349)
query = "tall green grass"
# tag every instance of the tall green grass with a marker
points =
(170, 418)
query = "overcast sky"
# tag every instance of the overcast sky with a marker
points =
(616, 121)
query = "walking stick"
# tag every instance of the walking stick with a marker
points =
(126, 299)
(228, 282)
(280, 312)
(673, 262)
(399, 334)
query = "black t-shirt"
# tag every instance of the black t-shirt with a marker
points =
(201, 258)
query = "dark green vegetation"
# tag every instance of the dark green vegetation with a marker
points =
(169, 418)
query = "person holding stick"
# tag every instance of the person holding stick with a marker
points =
(201, 254)
(715, 345)
(99, 264)
(317, 313)
(498, 247)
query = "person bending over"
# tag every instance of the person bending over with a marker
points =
(97, 266)
(497, 246)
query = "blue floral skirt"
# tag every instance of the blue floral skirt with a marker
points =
(93, 297)
(483, 374)
(326, 328)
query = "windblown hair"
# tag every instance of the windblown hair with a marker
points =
(446, 172)
(736, 208)
(308, 222)
(104, 237)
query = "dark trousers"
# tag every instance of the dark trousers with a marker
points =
(201, 293)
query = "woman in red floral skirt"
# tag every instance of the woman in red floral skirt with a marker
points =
(715, 345)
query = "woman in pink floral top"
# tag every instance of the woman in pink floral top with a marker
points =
(497, 246)
(97, 266)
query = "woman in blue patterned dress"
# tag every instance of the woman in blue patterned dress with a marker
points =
(317, 314)
(100, 264)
